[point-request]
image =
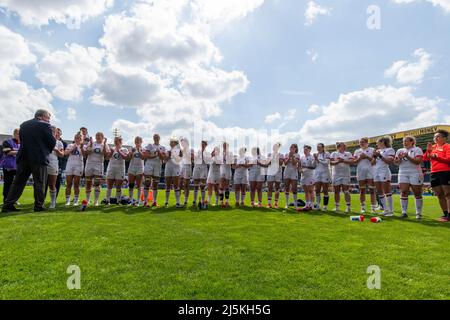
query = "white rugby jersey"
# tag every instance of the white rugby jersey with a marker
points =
(255, 166)
(175, 158)
(385, 153)
(215, 159)
(187, 157)
(341, 169)
(202, 157)
(136, 158)
(323, 162)
(275, 167)
(152, 149)
(75, 156)
(242, 170)
(364, 163)
(227, 158)
(290, 165)
(96, 156)
(116, 160)
(407, 166)
(307, 161)
(52, 157)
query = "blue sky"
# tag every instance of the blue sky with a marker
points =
(266, 70)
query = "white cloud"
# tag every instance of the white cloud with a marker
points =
(24, 100)
(291, 114)
(371, 111)
(271, 118)
(69, 71)
(14, 53)
(131, 87)
(71, 114)
(160, 59)
(288, 117)
(443, 4)
(313, 11)
(18, 100)
(69, 12)
(312, 54)
(215, 84)
(155, 34)
(410, 72)
(314, 109)
(215, 15)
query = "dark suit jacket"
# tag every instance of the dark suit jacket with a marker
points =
(36, 142)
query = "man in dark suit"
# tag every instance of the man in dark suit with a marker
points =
(36, 143)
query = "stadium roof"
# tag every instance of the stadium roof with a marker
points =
(399, 135)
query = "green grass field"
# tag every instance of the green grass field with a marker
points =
(138, 253)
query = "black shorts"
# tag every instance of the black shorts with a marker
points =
(440, 179)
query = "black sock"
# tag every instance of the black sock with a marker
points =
(446, 214)
(326, 199)
(221, 196)
(227, 194)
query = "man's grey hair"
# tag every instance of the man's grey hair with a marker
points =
(40, 113)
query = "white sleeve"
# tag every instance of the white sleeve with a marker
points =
(391, 153)
(418, 152)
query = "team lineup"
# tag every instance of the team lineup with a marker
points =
(219, 171)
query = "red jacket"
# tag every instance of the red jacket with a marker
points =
(442, 162)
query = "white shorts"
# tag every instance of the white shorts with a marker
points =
(152, 169)
(255, 174)
(200, 172)
(186, 171)
(213, 176)
(276, 178)
(135, 171)
(240, 178)
(322, 176)
(53, 168)
(115, 173)
(74, 170)
(225, 172)
(172, 170)
(382, 175)
(341, 181)
(93, 169)
(364, 173)
(307, 179)
(414, 179)
(291, 174)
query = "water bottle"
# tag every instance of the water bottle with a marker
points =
(357, 218)
(84, 204)
(375, 219)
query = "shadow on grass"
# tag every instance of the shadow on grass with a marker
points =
(131, 210)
